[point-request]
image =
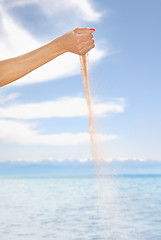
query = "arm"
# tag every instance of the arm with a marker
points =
(78, 41)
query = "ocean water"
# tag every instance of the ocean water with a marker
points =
(119, 207)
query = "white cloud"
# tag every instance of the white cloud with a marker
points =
(4, 99)
(23, 133)
(15, 40)
(63, 107)
(82, 9)
(86, 10)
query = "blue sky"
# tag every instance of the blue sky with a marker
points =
(44, 115)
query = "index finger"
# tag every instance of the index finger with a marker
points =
(84, 30)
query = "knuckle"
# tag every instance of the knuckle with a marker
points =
(90, 37)
(76, 30)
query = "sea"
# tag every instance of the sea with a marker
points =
(120, 207)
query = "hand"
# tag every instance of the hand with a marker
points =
(78, 41)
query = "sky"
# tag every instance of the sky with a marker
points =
(44, 116)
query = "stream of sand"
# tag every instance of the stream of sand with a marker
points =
(96, 156)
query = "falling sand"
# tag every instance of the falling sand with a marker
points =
(96, 156)
(105, 186)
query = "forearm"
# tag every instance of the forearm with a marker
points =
(78, 41)
(15, 68)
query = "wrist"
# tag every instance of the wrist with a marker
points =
(57, 47)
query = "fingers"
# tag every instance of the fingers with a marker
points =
(85, 50)
(87, 43)
(84, 30)
(78, 41)
(85, 37)
(86, 47)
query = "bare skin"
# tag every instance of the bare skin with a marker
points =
(78, 41)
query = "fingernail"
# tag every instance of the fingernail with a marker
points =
(93, 29)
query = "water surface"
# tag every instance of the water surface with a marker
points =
(120, 207)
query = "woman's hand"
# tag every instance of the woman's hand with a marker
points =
(78, 41)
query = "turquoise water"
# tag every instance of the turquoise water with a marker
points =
(120, 207)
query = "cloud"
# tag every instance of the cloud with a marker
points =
(15, 40)
(62, 107)
(4, 99)
(25, 133)
(82, 9)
